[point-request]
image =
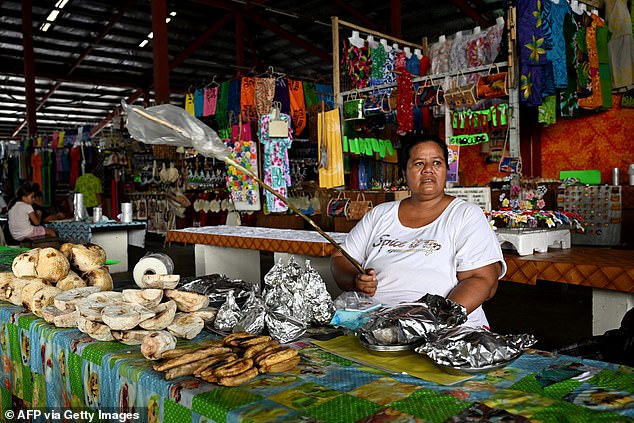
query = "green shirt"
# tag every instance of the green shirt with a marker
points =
(89, 185)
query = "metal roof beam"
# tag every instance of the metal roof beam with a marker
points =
(81, 57)
(276, 28)
(471, 12)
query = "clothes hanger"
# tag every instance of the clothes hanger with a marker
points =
(213, 83)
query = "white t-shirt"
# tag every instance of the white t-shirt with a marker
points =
(411, 262)
(19, 223)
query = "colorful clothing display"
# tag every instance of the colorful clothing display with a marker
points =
(243, 190)
(275, 163)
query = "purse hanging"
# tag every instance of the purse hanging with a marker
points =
(338, 207)
(353, 107)
(358, 208)
(493, 85)
(278, 128)
(508, 163)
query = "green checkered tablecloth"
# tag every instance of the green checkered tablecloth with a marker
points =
(51, 368)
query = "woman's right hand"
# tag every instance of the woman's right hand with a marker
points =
(366, 282)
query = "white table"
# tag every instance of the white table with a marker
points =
(114, 237)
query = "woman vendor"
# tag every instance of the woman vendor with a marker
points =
(430, 242)
(24, 221)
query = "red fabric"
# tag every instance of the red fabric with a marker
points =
(36, 164)
(425, 65)
(75, 161)
(405, 102)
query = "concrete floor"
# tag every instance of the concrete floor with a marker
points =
(557, 314)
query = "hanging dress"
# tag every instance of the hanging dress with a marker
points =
(331, 175)
(621, 44)
(276, 167)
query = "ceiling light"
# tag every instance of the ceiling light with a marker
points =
(167, 20)
(45, 26)
(144, 43)
(150, 35)
(61, 4)
(53, 15)
(172, 13)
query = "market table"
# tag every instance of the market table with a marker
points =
(235, 250)
(114, 237)
(609, 272)
(46, 367)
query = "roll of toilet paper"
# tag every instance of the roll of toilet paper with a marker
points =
(154, 263)
(126, 212)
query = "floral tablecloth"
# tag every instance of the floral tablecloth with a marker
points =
(45, 367)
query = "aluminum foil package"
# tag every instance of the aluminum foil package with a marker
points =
(412, 323)
(283, 327)
(253, 314)
(467, 347)
(228, 316)
(217, 286)
(317, 296)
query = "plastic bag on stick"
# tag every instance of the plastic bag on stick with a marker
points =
(171, 125)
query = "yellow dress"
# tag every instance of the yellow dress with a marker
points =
(330, 150)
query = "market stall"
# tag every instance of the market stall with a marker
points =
(114, 237)
(56, 369)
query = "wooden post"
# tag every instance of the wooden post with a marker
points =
(159, 50)
(335, 60)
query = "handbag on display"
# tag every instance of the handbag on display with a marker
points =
(508, 163)
(353, 107)
(278, 128)
(375, 104)
(358, 208)
(338, 207)
(493, 85)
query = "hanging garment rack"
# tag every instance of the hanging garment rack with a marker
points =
(336, 23)
(434, 77)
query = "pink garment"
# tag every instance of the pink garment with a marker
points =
(210, 101)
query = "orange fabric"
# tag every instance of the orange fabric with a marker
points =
(247, 98)
(298, 106)
(596, 99)
(36, 164)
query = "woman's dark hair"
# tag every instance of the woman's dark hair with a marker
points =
(410, 141)
(24, 190)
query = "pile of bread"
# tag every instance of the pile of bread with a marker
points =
(40, 274)
(231, 361)
(46, 281)
(152, 317)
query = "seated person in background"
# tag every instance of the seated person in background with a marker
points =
(428, 243)
(38, 205)
(90, 186)
(24, 222)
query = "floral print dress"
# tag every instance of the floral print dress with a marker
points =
(276, 165)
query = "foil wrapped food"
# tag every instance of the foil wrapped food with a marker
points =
(217, 287)
(229, 314)
(253, 314)
(412, 323)
(473, 348)
(292, 299)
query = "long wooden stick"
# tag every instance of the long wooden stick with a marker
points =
(306, 218)
(249, 173)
